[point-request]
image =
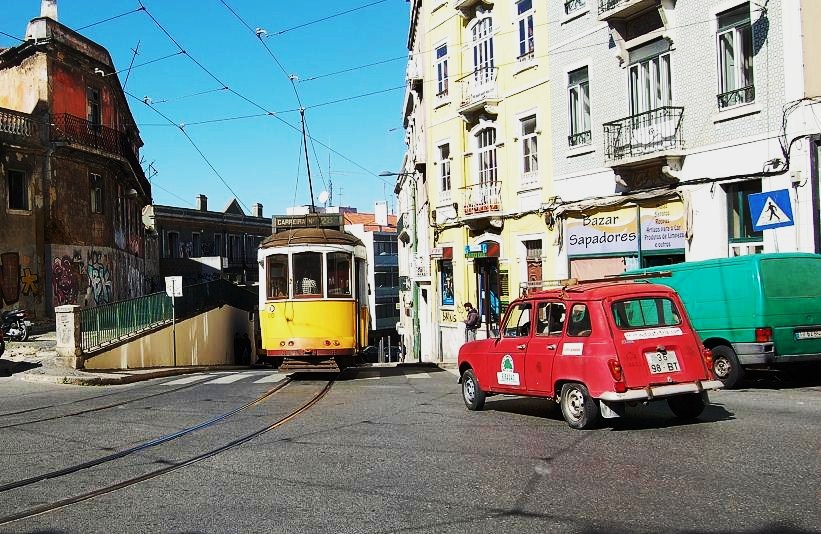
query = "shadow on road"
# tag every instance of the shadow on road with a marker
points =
(8, 367)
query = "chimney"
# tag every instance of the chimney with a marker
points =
(256, 210)
(202, 202)
(48, 9)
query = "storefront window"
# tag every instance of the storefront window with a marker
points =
(277, 269)
(446, 281)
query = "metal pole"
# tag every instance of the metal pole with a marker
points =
(173, 328)
(417, 352)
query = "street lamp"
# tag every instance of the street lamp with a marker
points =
(417, 353)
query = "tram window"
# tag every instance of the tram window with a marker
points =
(339, 274)
(308, 274)
(277, 269)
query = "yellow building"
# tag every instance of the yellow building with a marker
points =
(477, 125)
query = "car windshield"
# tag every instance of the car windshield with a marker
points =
(645, 312)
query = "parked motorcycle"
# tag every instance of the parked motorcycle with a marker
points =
(15, 325)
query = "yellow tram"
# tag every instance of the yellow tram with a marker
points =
(313, 307)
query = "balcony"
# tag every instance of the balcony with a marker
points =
(467, 7)
(644, 137)
(482, 198)
(77, 131)
(479, 91)
(744, 95)
(18, 124)
(622, 9)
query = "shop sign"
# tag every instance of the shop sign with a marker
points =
(437, 253)
(488, 249)
(603, 232)
(662, 227)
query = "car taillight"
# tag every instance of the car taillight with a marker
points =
(615, 370)
(707, 354)
(763, 335)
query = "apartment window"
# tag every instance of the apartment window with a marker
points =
(195, 245)
(93, 108)
(482, 46)
(735, 57)
(173, 245)
(739, 219)
(444, 167)
(217, 244)
(486, 155)
(442, 70)
(18, 190)
(96, 182)
(571, 6)
(578, 91)
(386, 248)
(530, 154)
(525, 25)
(234, 248)
(533, 248)
(650, 84)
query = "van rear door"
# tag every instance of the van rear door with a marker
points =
(656, 342)
(791, 305)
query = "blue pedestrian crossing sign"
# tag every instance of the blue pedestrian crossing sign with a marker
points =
(771, 209)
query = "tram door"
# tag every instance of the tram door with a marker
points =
(362, 323)
(488, 286)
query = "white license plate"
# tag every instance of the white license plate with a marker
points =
(808, 334)
(662, 362)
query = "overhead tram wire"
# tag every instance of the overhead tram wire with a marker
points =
(329, 17)
(259, 106)
(353, 69)
(141, 8)
(196, 147)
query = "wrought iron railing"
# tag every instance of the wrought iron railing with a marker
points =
(16, 123)
(571, 6)
(609, 5)
(483, 198)
(479, 85)
(645, 133)
(743, 95)
(579, 139)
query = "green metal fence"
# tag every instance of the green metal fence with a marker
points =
(110, 322)
(119, 320)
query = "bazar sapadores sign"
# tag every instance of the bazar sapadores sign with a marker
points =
(617, 231)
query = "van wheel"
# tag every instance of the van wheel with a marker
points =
(579, 409)
(687, 406)
(726, 366)
(472, 394)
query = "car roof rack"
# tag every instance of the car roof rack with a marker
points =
(564, 283)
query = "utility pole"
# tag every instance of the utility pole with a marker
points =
(417, 352)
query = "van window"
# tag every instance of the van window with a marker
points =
(550, 319)
(645, 313)
(579, 324)
(803, 279)
(518, 321)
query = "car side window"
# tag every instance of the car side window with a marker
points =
(550, 318)
(518, 321)
(579, 323)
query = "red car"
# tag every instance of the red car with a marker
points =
(593, 347)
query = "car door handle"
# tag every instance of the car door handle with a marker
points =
(551, 347)
(521, 347)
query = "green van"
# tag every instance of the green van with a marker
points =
(760, 310)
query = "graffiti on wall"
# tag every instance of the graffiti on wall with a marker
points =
(94, 276)
(18, 277)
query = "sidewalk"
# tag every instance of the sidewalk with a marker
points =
(36, 360)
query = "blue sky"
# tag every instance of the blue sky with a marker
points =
(257, 157)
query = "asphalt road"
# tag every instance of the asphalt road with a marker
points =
(394, 450)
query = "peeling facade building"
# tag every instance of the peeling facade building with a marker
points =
(73, 190)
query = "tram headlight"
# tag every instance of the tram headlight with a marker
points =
(282, 343)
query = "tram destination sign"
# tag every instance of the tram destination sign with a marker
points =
(309, 220)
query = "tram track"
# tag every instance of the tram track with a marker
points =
(87, 410)
(49, 507)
